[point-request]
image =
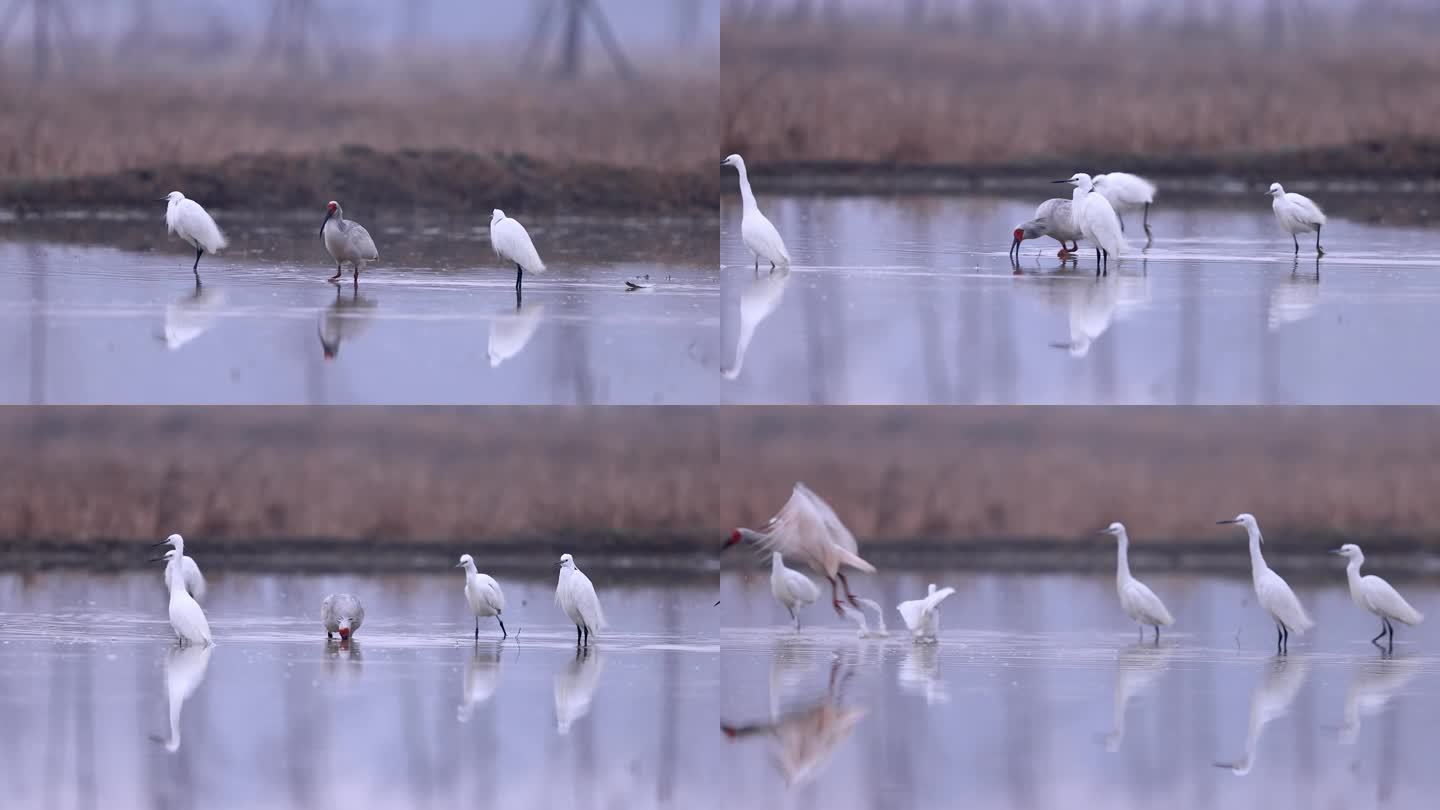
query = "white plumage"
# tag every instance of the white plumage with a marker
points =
(346, 241)
(1095, 218)
(807, 530)
(1376, 595)
(1136, 599)
(1054, 218)
(576, 596)
(188, 220)
(1127, 191)
(755, 230)
(183, 567)
(1273, 593)
(922, 616)
(1297, 214)
(792, 589)
(342, 613)
(483, 594)
(512, 242)
(186, 617)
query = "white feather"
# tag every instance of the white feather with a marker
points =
(1096, 218)
(792, 589)
(1136, 599)
(922, 616)
(807, 530)
(188, 220)
(186, 617)
(512, 242)
(188, 570)
(1125, 190)
(576, 596)
(755, 230)
(342, 608)
(347, 241)
(1295, 213)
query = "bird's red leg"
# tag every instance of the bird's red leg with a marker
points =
(848, 595)
(835, 596)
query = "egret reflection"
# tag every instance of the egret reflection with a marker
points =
(575, 687)
(482, 678)
(758, 301)
(1375, 684)
(919, 674)
(511, 331)
(1283, 679)
(185, 668)
(1136, 672)
(191, 315)
(1293, 299)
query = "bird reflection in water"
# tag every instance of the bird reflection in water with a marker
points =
(1093, 305)
(575, 687)
(190, 316)
(759, 300)
(482, 678)
(344, 318)
(511, 331)
(805, 739)
(1284, 676)
(343, 660)
(184, 672)
(1136, 672)
(919, 674)
(1374, 686)
(1295, 298)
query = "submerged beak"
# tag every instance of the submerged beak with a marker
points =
(328, 215)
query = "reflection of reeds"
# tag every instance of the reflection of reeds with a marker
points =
(1026, 472)
(94, 123)
(869, 93)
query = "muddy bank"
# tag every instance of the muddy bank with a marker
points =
(435, 179)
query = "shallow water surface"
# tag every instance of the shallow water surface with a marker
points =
(1039, 694)
(101, 710)
(435, 322)
(915, 300)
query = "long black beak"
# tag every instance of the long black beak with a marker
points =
(459, 565)
(1223, 522)
(161, 543)
(1066, 180)
(1336, 551)
(328, 215)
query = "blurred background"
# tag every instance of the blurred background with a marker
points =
(1169, 85)
(95, 88)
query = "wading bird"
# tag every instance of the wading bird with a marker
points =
(341, 613)
(755, 230)
(792, 589)
(512, 243)
(346, 241)
(1136, 599)
(1054, 218)
(1377, 596)
(187, 220)
(1096, 219)
(922, 616)
(483, 593)
(186, 617)
(183, 567)
(1127, 191)
(576, 596)
(807, 530)
(1297, 214)
(1273, 592)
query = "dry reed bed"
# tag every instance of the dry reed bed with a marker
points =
(356, 474)
(1058, 473)
(848, 94)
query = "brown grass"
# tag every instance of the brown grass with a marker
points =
(1061, 473)
(93, 124)
(873, 94)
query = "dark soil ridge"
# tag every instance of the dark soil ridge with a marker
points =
(409, 178)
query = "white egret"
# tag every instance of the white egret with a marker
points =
(1272, 698)
(922, 616)
(511, 330)
(484, 595)
(1054, 218)
(186, 617)
(184, 672)
(792, 589)
(1297, 214)
(1136, 599)
(346, 241)
(755, 230)
(341, 613)
(575, 688)
(183, 567)
(576, 596)
(482, 680)
(758, 301)
(187, 220)
(1096, 219)
(1273, 592)
(1127, 191)
(1376, 595)
(807, 530)
(512, 242)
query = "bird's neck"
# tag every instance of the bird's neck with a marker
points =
(747, 196)
(1077, 195)
(776, 562)
(1352, 573)
(1257, 560)
(1122, 559)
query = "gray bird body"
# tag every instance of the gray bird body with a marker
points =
(342, 613)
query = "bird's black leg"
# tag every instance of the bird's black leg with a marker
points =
(338, 272)
(578, 635)
(1279, 638)
(477, 628)
(1147, 222)
(1319, 251)
(1376, 640)
(757, 265)
(199, 252)
(1157, 635)
(1097, 261)
(519, 271)
(329, 634)
(504, 634)
(1297, 241)
(772, 265)
(1122, 221)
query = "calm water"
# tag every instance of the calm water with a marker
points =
(1039, 695)
(101, 711)
(914, 300)
(435, 322)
